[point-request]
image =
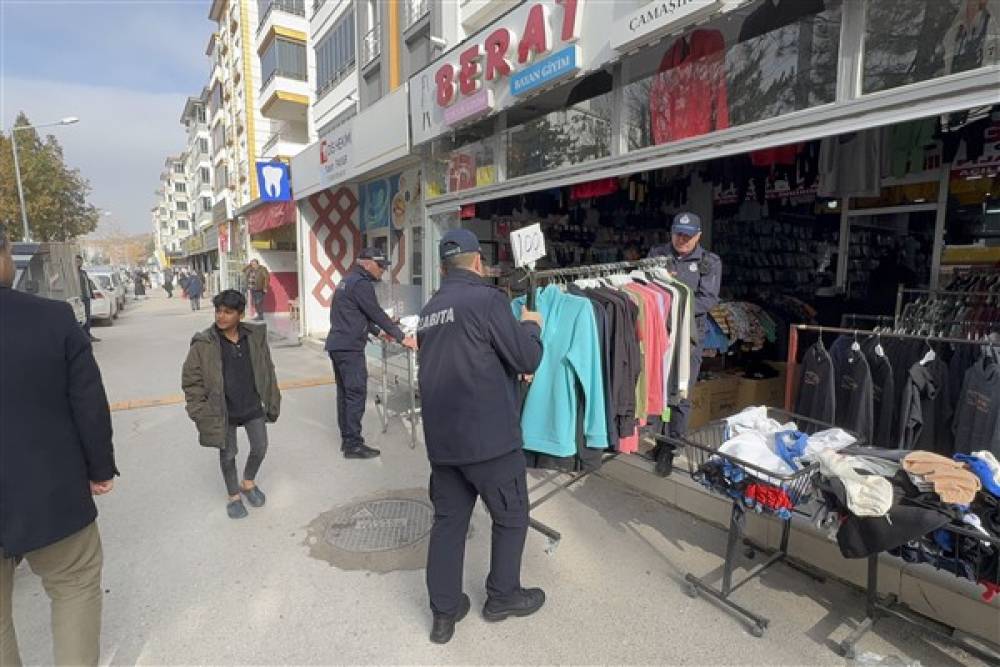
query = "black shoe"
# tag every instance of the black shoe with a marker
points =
(361, 452)
(236, 509)
(523, 603)
(444, 626)
(254, 496)
(665, 460)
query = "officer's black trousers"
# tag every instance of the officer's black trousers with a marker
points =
(680, 413)
(502, 484)
(351, 373)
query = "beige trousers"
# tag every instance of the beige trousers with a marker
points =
(71, 574)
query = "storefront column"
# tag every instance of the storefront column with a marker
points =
(944, 181)
(844, 247)
(852, 38)
(618, 146)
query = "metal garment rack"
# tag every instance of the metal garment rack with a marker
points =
(390, 354)
(534, 278)
(903, 291)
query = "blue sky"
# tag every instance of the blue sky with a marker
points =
(125, 68)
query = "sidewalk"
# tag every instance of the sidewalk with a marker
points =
(187, 585)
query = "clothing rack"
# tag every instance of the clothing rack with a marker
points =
(793, 347)
(853, 318)
(903, 291)
(587, 270)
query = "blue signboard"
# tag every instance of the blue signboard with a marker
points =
(274, 181)
(559, 64)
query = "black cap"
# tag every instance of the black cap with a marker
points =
(375, 255)
(686, 223)
(457, 242)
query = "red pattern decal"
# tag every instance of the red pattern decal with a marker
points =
(341, 239)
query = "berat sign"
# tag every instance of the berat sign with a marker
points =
(497, 51)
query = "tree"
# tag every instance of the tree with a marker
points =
(55, 195)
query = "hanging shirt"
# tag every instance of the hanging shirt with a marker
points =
(688, 96)
(654, 335)
(977, 418)
(883, 397)
(571, 358)
(817, 394)
(850, 165)
(854, 402)
(926, 409)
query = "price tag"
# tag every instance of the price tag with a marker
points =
(528, 245)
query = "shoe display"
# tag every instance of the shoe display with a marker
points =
(444, 626)
(523, 603)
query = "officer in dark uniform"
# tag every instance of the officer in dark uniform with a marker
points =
(472, 351)
(701, 271)
(354, 314)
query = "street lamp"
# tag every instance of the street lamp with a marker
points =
(69, 120)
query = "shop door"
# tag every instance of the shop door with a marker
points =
(887, 250)
(440, 223)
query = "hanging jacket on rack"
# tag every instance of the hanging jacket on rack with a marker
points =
(977, 418)
(883, 394)
(571, 358)
(854, 398)
(925, 412)
(817, 392)
(688, 96)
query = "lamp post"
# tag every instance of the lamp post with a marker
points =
(17, 167)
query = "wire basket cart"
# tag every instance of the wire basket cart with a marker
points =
(700, 447)
(396, 384)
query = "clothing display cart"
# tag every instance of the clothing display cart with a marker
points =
(702, 446)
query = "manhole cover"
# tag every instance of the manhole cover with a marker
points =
(379, 525)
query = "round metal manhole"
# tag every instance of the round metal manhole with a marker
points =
(379, 525)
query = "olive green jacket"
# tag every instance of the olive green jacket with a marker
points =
(204, 390)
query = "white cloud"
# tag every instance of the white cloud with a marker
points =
(119, 145)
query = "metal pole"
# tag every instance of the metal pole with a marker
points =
(26, 234)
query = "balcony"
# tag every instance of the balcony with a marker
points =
(371, 45)
(285, 98)
(265, 7)
(414, 10)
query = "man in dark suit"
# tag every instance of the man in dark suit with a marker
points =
(55, 454)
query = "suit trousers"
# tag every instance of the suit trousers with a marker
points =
(350, 370)
(71, 575)
(502, 484)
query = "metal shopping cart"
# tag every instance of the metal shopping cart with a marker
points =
(396, 390)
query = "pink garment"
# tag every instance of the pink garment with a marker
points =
(629, 445)
(654, 335)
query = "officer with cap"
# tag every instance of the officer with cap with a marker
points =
(354, 314)
(472, 351)
(701, 271)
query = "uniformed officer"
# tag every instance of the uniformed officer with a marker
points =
(354, 314)
(701, 271)
(472, 350)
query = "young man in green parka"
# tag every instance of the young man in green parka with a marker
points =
(229, 381)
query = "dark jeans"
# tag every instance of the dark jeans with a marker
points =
(257, 297)
(196, 303)
(502, 484)
(350, 370)
(256, 431)
(169, 289)
(86, 316)
(680, 413)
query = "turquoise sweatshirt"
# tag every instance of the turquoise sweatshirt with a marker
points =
(571, 358)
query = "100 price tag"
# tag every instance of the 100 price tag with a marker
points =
(527, 245)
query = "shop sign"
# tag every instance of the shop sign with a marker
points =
(987, 165)
(517, 54)
(470, 108)
(527, 244)
(659, 18)
(553, 68)
(273, 181)
(336, 154)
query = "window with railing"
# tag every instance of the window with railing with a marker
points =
(206, 174)
(371, 45)
(182, 206)
(221, 178)
(206, 204)
(215, 99)
(219, 136)
(178, 167)
(200, 114)
(265, 7)
(415, 10)
(335, 54)
(180, 187)
(203, 145)
(285, 58)
(182, 224)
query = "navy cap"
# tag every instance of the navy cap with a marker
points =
(457, 242)
(375, 255)
(686, 223)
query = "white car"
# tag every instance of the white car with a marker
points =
(117, 285)
(104, 305)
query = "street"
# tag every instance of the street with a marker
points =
(184, 584)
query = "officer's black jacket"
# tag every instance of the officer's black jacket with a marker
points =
(355, 312)
(471, 351)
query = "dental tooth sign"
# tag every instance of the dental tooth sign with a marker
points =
(273, 181)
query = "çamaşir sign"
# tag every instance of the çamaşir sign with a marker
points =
(502, 52)
(658, 18)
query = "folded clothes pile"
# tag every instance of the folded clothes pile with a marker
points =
(917, 505)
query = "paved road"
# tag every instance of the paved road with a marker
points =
(187, 585)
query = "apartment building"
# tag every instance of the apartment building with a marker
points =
(171, 214)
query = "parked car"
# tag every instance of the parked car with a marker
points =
(117, 284)
(49, 270)
(102, 282)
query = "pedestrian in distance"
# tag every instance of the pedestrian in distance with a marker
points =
(168, 282)
(258, 280)
(355, 313)
(183, 281)
(56, 453)
(229, 381)
(195, 290)
(86, 296)
(139, 279)
(472, 351)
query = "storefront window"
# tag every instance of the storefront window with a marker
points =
(572, 132)
(760, 61)
(908, 41)
(464, 160)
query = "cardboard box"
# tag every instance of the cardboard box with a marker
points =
(724, 400)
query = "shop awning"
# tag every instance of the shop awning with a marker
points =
(271, 216)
